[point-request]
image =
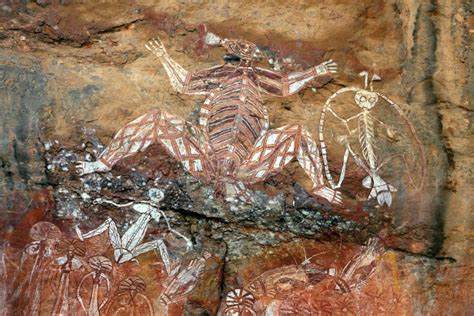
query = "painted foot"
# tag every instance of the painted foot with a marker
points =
(86, 167)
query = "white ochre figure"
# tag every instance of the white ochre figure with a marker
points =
(129, 245)
(366, 100)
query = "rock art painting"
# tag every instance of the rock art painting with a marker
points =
(57, 275)
(364, 127)
(235, 158)
(316, 286)
(233, 145)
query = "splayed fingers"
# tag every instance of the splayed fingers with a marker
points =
(156, 47)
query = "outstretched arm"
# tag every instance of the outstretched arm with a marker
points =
(284, 85)
(183, 81)
(176, 73)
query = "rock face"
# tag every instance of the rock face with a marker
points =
(72, 74)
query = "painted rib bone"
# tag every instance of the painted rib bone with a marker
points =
(379, 189)
(367, 139)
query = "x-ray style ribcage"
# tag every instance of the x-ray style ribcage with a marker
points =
(239, 302)
(379, 148)
(233, 145)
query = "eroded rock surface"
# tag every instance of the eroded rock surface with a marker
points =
(73, 74)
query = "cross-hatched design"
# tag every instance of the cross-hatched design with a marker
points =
(232, 145)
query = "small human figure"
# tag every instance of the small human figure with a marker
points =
(99, 292)
(129, 245)
(130, 299)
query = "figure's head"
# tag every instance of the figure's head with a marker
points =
(366, 99)
(156, 195)
(243, 49)
(237, 49)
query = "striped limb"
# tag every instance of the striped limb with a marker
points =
(297, 80)
(196, 83)
(123, 250)
(276, 84)
(175, 134)
(176, 73)
(276, 148)
(182, 280)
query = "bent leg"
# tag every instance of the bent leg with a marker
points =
(129, 140)
(308, 157)
(276, 148)
(132, 138)
(185, 143)
(154, 245)
(114, 236)
(97, 231)
(271, 153)
(174, 133)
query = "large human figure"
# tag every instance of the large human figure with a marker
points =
(233, 144)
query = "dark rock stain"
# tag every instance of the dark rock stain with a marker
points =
(421, 69)
(5, 167)
(22, 160)
(81, 97)
(23, 92)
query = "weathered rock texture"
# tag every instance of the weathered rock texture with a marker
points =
(73, 73)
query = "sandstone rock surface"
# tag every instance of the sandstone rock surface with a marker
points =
(73, 73)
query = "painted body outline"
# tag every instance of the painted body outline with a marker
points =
(366, 100)
(233, 144)
(129, 245)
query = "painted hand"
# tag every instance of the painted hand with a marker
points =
(156, 47)
(326, 67)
